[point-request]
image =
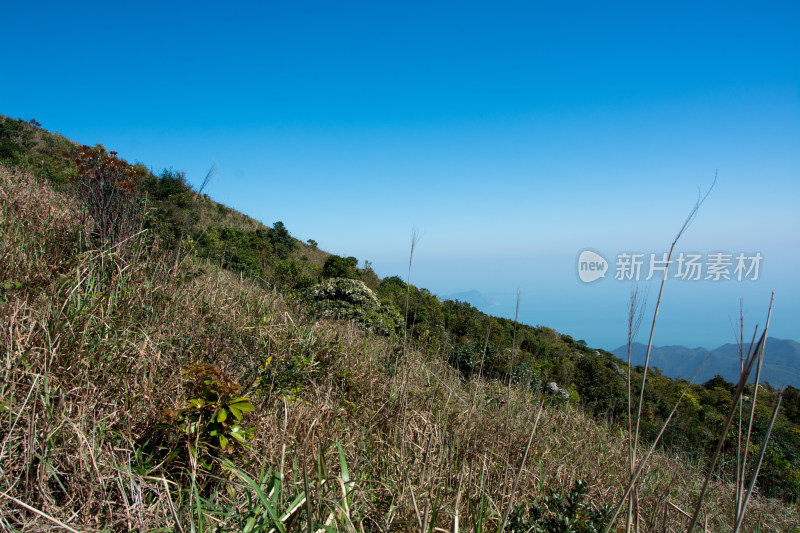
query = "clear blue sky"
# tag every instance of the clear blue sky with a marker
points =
(512, 135)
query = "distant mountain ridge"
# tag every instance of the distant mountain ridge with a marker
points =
(781, 361)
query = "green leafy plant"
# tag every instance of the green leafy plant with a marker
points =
(350, 298)
(211, 419)
(295, 274)
(282, 242)
(6, 287)
(340, 267)
(288, 374)
(554, 512)
(274, 503)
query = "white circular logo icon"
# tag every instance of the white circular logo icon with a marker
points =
(591, 266)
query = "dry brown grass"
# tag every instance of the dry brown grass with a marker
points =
(92, 346)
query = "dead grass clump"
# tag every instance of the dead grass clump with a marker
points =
(38, 228)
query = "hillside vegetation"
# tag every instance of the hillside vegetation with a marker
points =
(173, 365)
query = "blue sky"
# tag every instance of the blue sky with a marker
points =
(512, 135)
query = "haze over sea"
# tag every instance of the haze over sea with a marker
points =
(512, 135)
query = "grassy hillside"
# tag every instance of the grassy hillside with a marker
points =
(196, 370)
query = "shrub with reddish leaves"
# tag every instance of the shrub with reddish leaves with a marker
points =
(108, 188)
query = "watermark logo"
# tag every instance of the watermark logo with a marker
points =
(591, 266)
(636, 266)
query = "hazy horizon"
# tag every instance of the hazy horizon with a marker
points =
(512, 136)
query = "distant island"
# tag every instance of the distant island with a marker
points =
(475, 299)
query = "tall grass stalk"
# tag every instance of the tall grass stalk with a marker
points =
(414, 241)
(741, 454)
(633, 324)
(687, 222)
(637, 472)
(403, 395)
(522, 461)
(635, 317)
(755, 353)
(739, 335)
(759, 460)
(509, 381)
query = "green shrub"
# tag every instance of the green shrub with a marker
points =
(210, 422)
(602, 389)
(170, 187)
(555, 512)
(352, 299)
(16, 138)
(236, 249)
(288, 374)
(295, 274)
(777, 478)
(526, 377)
(468, 359)
(282, 243)
(340, 267)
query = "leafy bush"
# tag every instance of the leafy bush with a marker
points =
(791, 404)
(777, 478)
(295, 274)
(210, 422)
(170, 187)
(526, 377)
(554, 512)
(16, 138)
(288, 374)
(236, 249)
(340, 267)
(349, 298)
(469, 359)
(600, 386)
(255, 253)
(108, 190)
(282, 243)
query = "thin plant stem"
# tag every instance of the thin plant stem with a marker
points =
(519, 470)
(739, 459)
(508, 389)
(759, 460)
(684, 227)
(752, 408)
(643, 462)
(37, 511)
(739, 389)
(635, 316)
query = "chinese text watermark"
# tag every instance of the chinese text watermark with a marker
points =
(636, 266)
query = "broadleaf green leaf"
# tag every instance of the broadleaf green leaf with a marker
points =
(243, 406)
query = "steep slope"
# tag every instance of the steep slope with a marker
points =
(149, 385)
